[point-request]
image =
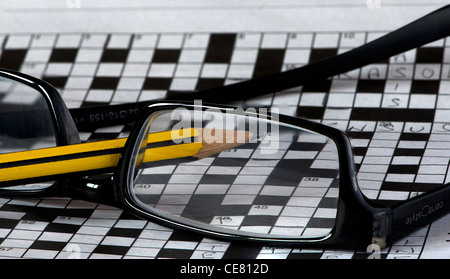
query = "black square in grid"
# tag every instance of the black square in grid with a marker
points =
(430, 55)
(269, 61)
(111, 249)
(217, 179)
(371, 85)
(220, 48)
(242, 251)
(166, 55)
(408, 152)
(415, 136)
(318, 54)
(403, 169)
(271, 200)
(425, 86)
(48, 245)
(320, 86)
(310, 112)
(12, 58)
(124, 232)
(175, 253)
(206, 83)
(288, 172)
(108, 83)
(157, 83)
(259, 220)
(64, 228)
(58, 82)
(115, 55)
(300, 256)
(63, 55)
(321, 223)
(8, 223)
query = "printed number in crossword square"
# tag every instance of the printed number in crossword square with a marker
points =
(395, 111)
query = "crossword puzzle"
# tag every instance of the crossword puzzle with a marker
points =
(396, 113)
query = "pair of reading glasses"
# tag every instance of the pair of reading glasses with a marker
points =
(226, 172)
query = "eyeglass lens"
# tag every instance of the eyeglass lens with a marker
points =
(236, 172)
(25, 122)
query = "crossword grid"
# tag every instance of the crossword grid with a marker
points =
(395, 111)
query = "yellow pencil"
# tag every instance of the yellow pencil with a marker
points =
(103, 155)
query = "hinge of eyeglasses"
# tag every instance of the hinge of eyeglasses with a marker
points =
(382, 227)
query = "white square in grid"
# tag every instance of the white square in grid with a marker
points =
(36, 69)
(296, 56)
(214, 70)
(443, 102)
(240, 71)
(352, 39)
(109, 69)
(74, 82)
(326, 40)
(338, 113)
(99, 95)
(161, 70)
(325, 213)
(374, 71)
(446, 58)
(427, 71)
(130, 83)
(58, 69)
(211, 189)
(188, 70)
(300, 40)
(135, 70)
(144, 41)
(343, 85)
(407, 57)
(37, 55)
(170, 41)
(238, 199)
(119, 41)
(248, 40)
(422, 101)
(368, 100)
(89, 55)
(94, 40)
(68, 41)
(196, 41)
(140, 55)
(395, 100)
(340, 100)
(288, 99)
(152, 95)
(18, 41)
(312, 99)
(400, 72)
(43, 41)
(397, 86)
(84, 69)
(192, 55)
(374, 35)
(273, 40)
(182, 84)
(244, 56)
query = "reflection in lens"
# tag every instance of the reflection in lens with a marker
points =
(25, 123)
(226, 174)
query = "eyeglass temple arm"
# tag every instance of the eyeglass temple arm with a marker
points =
(429, 28)
(422, 210)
